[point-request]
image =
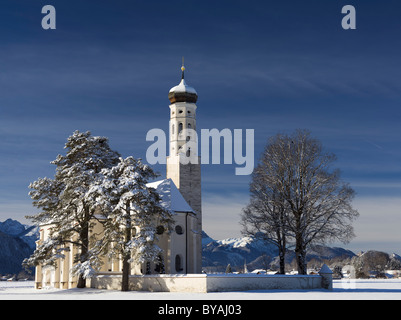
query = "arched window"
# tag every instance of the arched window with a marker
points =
(178, 263)
(189, 126)
(179, 229)
(159, 230)
(172, 129)
(180, 127)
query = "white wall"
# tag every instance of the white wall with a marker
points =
(210, 283)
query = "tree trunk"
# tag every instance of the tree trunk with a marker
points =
(282, 261)
(125, 276)
(281, 250)
(300, 250)
(300, 254)
(84, 237)
(81, 282)
(301, 263)
(127, 256)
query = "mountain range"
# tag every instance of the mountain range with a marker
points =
(17, 242)
(259, 254)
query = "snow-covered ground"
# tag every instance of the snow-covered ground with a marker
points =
(388, 289)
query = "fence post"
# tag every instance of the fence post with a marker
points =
(327, 277)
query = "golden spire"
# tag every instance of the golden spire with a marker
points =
(182, 68)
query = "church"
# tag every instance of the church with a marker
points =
(180, 191)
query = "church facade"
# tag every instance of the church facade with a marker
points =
(181, 192)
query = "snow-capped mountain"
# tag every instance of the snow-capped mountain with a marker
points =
(29, 234)
(12, 227)
(206, 239)
(217, 254)
(17, 242)
(257, 254)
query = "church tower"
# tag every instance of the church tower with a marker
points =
(183, 162)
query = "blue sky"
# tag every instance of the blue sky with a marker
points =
(272, 66)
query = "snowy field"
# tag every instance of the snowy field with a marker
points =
(387, 289)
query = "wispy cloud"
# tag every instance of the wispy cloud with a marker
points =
(221, 215)
(379, 223)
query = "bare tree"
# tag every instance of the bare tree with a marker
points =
(264, 217)
(315, 203)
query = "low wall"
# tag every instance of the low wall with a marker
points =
(153, 282)
(213, 282)
(245, 282)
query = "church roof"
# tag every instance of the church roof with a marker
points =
(171, 196)
(183, 87)
(182, 92)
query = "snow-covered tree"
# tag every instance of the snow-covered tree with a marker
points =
(133, 213)
(66, 202)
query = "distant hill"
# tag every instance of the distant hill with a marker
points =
(375, 262)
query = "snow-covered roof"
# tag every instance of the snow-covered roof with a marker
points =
(183, 87)
(325, 269)
(170, 195)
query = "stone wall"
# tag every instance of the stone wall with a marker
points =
(215, 282)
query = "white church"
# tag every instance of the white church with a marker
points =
(181, 190)
(181, 270)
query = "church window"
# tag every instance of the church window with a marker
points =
(179, 229)
(180, 127)
(172, 129)
(189, 126)
(178, 263)
(179, 111)
(189, 112)
(188, 153)
(160, 230)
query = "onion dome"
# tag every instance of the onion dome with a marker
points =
(182, 92)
